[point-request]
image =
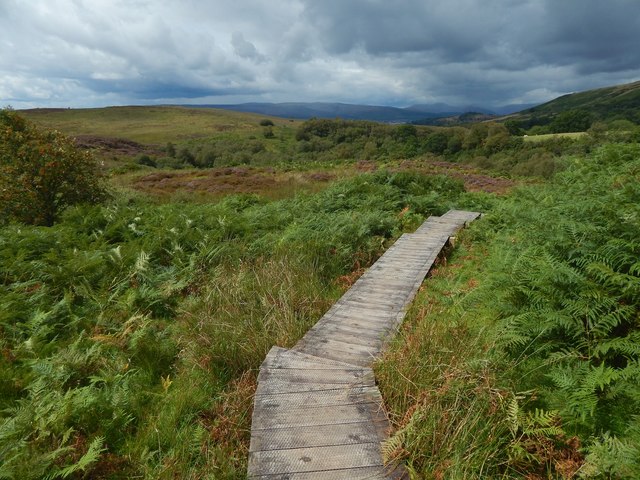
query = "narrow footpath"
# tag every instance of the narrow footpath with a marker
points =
(317, 412)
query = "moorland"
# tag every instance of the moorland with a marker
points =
(133, 321)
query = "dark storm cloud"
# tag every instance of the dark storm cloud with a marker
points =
(405, 26)
(150, 89)
(493, 50)
(489, 52)
(593, 35)
(549, 32)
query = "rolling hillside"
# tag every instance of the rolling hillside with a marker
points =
(148, 124)
(609, 103)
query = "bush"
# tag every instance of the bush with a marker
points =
(42, 172)
(146, 160)
(268, 133)
(169, 162)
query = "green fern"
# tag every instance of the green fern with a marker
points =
(91, 456)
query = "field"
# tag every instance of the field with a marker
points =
(131, 331)
(553, 136)
(151, 125)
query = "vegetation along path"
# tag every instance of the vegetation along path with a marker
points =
(317, 412)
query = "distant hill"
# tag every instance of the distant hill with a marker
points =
(330, 110)
(414, 113)
(619, 101)
(147, 124)
(449, 110)
(467, 117)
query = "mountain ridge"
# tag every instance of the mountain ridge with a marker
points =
(348, 111)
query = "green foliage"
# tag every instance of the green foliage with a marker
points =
(572, 121)
(521, 358)
(330, 139)
(567, 293)
(146, 160)
(125, 327)
(170, 149)
(437, 143)
(616, 102)
(513, 127)
(42, 172)
(610, 457)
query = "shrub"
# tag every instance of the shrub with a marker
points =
(169, 162)
(268, 133)
(42, 172)
(145, 160)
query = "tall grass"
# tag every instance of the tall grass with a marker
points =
(131, 333)
(520, 359)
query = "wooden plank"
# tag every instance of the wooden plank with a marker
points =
(401, 274)
(372, 333)
(360, 359)
(375, 301)
(325, 376)
(384, 282)
(283, 358)
(282, 418)
(284, 386)
(338, 328)
(272, 381)
(325, 335)
(336, 396)
(364, 288)
(355, 349)
(374, 313)
(367, 473)
(377, 298)
(364, 291)
(372, 329)
(318, 436)
(461, 216)
(316, 459)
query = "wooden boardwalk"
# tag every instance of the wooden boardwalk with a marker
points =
(317, 411)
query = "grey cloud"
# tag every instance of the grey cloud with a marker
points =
(457, 29)
(245, 49)
(150, 89)
(595, 36)
(368, 51)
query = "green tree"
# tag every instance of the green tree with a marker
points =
(42, 172)
(514, 127)
(436, 143)
(475, 136)
(497, 138)
(572, 121)
(405, 132)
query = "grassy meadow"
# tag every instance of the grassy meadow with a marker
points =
(131, 331)
(553, 136)
(150, 125)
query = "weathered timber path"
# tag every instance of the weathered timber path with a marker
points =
(317, 411)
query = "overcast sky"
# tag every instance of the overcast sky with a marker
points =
(386, 52)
